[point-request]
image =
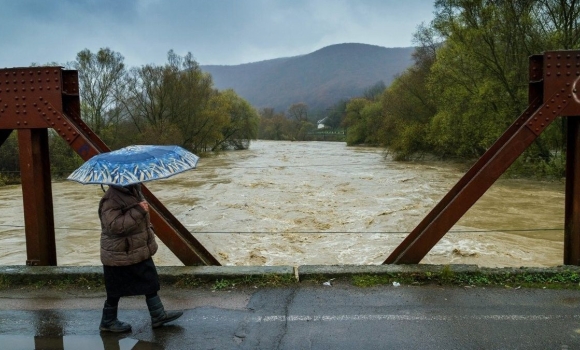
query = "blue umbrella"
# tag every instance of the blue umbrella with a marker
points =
(134, 164)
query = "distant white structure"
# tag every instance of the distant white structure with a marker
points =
(320, 123)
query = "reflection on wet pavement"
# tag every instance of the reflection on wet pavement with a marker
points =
(76, 342)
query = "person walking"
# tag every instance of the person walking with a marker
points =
(127, 246)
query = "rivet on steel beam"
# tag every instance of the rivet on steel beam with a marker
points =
(537, 129)
(25, 122)
(558, 65)
(549, 65)
(568, 56)
(549, 56)
(558, 74)
(48, 88)
(548, 73)
(74, 133)
(52, 124)
(547, 119)
(535, 118)
(17, 112)
(552, 100)
(40, 88)
(18, 123)
(568, 65)
(568, 73)
(542, 124)
(563, 101)
(559, 56)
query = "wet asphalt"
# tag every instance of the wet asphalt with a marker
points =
(304, 316)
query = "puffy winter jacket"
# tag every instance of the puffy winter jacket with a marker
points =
(126, 234)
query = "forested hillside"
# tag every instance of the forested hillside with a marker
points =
(319, 79)
(468, 83)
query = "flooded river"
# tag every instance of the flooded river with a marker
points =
(299, 203)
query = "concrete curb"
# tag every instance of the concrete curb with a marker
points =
(20, 274)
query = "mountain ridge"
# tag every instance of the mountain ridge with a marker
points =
(319, 79)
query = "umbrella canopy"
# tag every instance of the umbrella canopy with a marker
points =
(134, 164)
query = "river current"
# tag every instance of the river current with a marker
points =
(313, 203)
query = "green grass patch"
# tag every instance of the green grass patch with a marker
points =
(62, 282)
(271, 280)
(446, 276)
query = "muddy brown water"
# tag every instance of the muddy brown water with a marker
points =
(310, 203)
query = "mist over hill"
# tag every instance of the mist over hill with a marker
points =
(319, 79)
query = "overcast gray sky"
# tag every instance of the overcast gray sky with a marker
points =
(225, 32)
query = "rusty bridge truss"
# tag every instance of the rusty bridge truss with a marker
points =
(34, 99)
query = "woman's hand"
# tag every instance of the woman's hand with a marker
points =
(144, 205)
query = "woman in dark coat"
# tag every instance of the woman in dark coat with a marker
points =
(127, 245)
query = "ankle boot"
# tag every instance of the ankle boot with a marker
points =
(158, 314)
(109, 321)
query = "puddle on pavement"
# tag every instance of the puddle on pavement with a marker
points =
(75, 342)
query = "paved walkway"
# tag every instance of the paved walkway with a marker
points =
(301, 316)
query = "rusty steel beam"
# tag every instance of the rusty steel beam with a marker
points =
(37, 197)
(48, 97)
(462, 197)
(572, 199)
(554, 77)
